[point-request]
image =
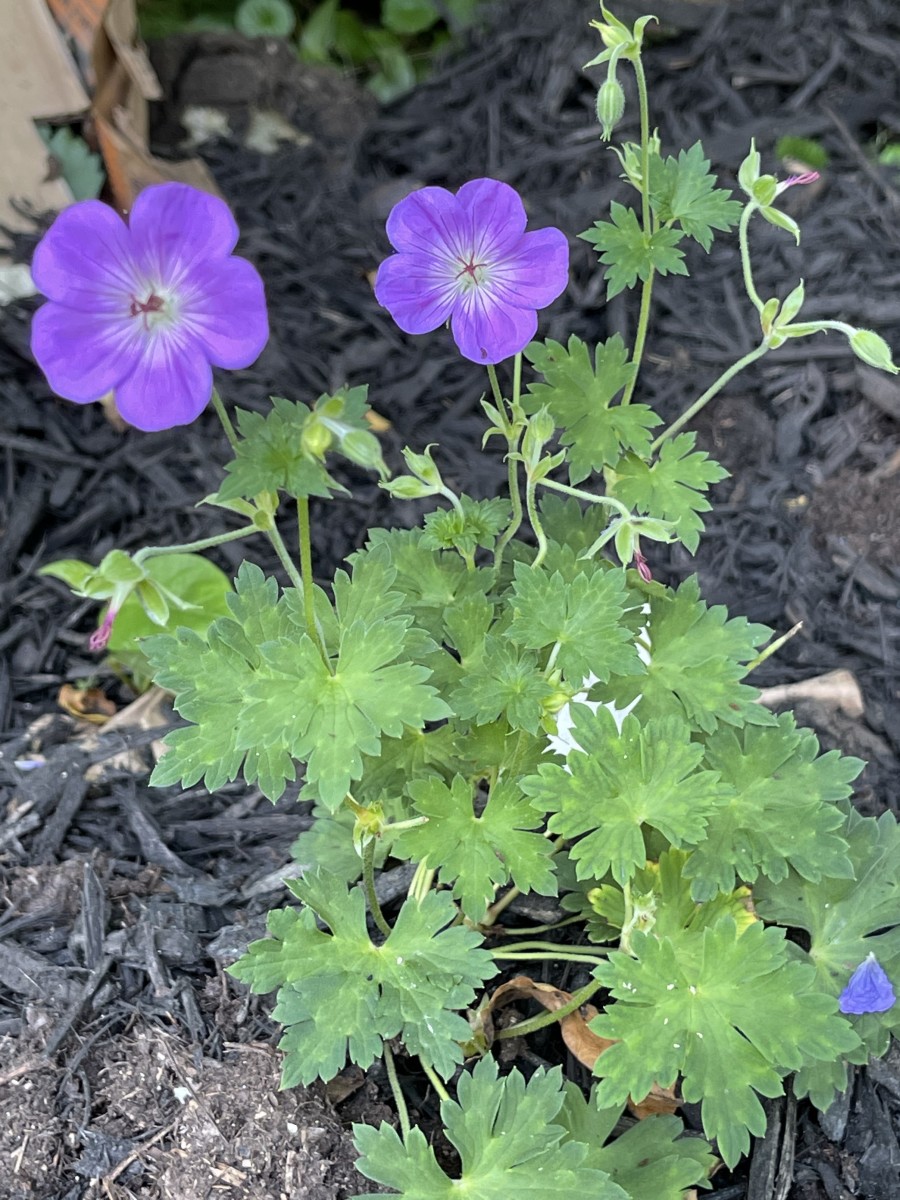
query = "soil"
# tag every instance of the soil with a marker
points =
(130, 1064)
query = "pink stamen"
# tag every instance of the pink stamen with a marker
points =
(153, 304)
(794, 180)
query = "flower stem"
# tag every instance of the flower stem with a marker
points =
(284, 558)
(535, 521)
(303, 535)
(711, 391)
(647, 223)
(589, 960)
(369, 884)
(435, 1080)
(495, 386)
(579, 494)
(224, 418)
(190, 547)
(550, 1018)
(399, 1099)
(744, 241)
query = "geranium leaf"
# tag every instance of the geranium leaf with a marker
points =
(617, 783)
(578, 394)
(584, 617)
(629, 254)
(502, 681)
(477, 852)
(698, 658)
(508, 1140)
(728, 1011)
(670, 489)
(683, 191)
(341, 995)
(781, 811)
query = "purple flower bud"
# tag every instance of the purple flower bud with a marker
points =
(100, 637)
(869, 989)
(643, 567)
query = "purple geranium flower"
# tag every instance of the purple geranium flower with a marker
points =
(146, 309)
(869, 989)
(467, 259)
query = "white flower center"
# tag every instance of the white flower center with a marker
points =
(470, 273)
(154, 309)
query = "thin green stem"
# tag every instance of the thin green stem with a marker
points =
(190, 547)
(495, 386)
(510, 932)
(548, 947)
(306, 571)
(225, 419)
(711, 391)
(399, 1099)
(435, 1080)
(517, 381)
(550, 1018)
(589, 960)
(744, 241)
(535, 521)
(647, 223)
(284, 558)
(515, 499)
(591, 498)
(368, 858)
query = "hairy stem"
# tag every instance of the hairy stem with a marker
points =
(550, 1018)
(647, 223)
(225, 419)
(368, 858)
(303, 534)
(399, 1099)
(189, 547)
(711, 391)
(590, 497)
(744, 241)
(435, 1080)
(535, 522)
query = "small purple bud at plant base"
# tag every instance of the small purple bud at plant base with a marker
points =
(467, 259)
(869, 989)
(146, 310)
(99, 639)
(610, 106)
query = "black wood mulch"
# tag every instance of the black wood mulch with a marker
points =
(121, 905)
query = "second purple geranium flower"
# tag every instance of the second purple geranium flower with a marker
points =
(145, 310)
(467, 259)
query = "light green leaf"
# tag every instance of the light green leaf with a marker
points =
(629, 254)
(578, 395)
(683, 191)
(704, 1005)
(502, 681)
(341, 995)
(781, 812)
(698, 658)
(508, 1139)
(584, 617)
(672, 488)
(650, 1160)
(478, 851)
(615, 784)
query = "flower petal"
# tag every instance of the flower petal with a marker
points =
(170, 385)
(417, 293)
(174, 226)
(224, 308)
(869, 990)
(536, 271)
(497, 215)
(431, 222)
(488, 332)
(85, 259)
(83, 354)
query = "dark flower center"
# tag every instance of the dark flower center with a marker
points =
(143, 308)
(472, 272)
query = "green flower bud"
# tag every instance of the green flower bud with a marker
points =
(119, 567)
(315, 438)
(749, 170)
(765, 189)
(767, 316)
(364, 448)
(792, 305)
(407, 487)
(873, 350)
(423, 466)
(539, 431)
(610, 106)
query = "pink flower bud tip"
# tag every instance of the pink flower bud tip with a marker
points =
(100, 637)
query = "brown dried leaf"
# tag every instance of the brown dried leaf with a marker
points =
(89, 704)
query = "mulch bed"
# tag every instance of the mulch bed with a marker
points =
(130, 1064)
